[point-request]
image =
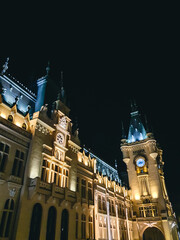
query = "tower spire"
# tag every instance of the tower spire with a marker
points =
(61, 83)
(61, 94)
(137, 131)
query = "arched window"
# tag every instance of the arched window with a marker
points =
(35, 222)
(10, 118)
(51, 224)
(83, 226)
(64, 224)
(24, 126)
(6, 220)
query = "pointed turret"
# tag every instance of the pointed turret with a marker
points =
(61, 94)
(137, 131)
(61, 103)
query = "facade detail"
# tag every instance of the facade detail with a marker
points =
(52, 188)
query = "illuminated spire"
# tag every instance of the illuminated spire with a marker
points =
(5, 66)
(137, 131)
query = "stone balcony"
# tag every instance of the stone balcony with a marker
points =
(50, 190)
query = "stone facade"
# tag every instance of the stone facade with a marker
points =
(52, 188)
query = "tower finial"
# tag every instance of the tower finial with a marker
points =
(133, 105)
(146, 124)
(48, 69)
(5, 66)
(61, 93)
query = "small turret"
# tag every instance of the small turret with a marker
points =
(61, 103)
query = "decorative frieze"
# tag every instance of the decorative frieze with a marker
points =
(43, 129)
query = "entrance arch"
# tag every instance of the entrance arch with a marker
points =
(152, 233)
(64, 224)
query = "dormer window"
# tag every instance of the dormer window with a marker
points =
(10, 118)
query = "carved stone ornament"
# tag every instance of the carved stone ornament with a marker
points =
(63, 122)
(42, 129)
(12, 192)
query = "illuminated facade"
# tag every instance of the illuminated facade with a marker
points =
(51, 188)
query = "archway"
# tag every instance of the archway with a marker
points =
(153, 233)
(64, 224)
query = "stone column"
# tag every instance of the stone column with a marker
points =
(108, 222)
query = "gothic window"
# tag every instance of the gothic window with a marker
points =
(83, 226)
(18, 164)
(141, 212)
(148, 211)
(10, 118)
(4, 153)
(90, 227)
(103, 204)
(111, 207)
(76, 225)
(6, 220)
(45, 170)
(83, 188)
(120, 211)
(155, 211)
(35, 226)
(51, 224)
(54, 173)
(59, 175)
(99, 202)
(90, 192)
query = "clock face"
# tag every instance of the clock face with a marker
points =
(63, 122)
(140, 162)
(60, 138)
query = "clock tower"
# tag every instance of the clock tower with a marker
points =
(152, 209)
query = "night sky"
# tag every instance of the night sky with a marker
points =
(109, 55)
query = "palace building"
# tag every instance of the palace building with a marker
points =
(53, 188)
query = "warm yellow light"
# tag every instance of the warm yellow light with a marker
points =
(154, 195)
(137, 197)
(18, 124)
(3, 115)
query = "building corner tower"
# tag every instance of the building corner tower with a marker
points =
(152, 211)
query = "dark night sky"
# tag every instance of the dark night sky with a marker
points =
(109, 55)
